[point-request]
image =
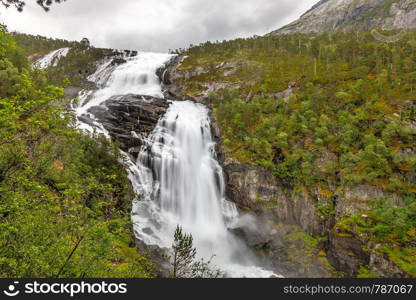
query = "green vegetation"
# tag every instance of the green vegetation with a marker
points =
(64, 197)
(404, 258)
(331, 111)
(72, 69)
(184, 262)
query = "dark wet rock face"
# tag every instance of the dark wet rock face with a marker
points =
(125, 116)
(159, 256)
(290, 217)
(295, 227)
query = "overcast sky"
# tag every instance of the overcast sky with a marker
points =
(154, 25)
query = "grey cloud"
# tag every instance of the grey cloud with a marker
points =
(155, 25)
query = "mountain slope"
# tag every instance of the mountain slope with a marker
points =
(316, 134)
(333, 15)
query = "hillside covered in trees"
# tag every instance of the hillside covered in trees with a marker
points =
(333, 118)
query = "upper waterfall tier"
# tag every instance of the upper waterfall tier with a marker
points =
(136, 76)
(177, 176)
(51, 59)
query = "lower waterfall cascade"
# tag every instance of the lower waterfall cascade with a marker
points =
(177, 176)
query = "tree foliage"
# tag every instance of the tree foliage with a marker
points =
(20, 4)
(65, 200)
(184, 262)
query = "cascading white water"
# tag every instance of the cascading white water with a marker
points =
(177, 175)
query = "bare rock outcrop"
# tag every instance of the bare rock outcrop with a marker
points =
(123, 116)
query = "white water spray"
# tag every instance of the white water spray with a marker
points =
(177, 174)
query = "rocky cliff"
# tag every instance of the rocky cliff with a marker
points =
(333, 15)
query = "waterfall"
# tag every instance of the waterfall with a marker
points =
(177, 176)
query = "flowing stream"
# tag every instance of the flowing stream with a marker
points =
(177, 176)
